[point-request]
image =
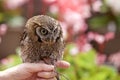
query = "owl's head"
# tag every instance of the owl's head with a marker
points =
(44, 29)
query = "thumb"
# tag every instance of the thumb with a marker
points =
(62, 64)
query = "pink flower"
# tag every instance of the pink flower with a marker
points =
(97, 5)
(109, 36)
(80, 26)
(115, 59)
(100, 58)
(83, 43)
(87, 47)
(91, 36)
(62, 6)
(13, 4)
(71, 17)
(3, 29)
(49, 1)
(76, 21)
(72, 13)
(54, 9)
(79, 6)
(5, 61)
(74, 50)
(99, 38)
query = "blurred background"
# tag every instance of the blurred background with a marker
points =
(91, 32)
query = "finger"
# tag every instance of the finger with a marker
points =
(46, 75)
(62, 64)
(36, 67)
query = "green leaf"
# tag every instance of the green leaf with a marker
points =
(98, 21)
(104, 7)
(117, 19)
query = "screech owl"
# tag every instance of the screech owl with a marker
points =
(42, 40)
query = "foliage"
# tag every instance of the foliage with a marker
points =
(9, 61)
(84, 67)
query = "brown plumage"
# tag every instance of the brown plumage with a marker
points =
(42, 40)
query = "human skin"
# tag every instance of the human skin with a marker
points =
(32, 71)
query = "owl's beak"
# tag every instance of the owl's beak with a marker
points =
(51, 40)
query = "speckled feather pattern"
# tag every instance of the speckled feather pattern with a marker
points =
(35, 52)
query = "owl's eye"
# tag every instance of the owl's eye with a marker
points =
(43, 31)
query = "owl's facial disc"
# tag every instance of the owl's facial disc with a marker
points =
(44, 35)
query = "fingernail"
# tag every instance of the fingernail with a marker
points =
(51, 66)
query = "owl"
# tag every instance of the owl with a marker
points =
(42, 40)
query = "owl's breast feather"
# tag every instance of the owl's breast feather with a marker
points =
(36, 52)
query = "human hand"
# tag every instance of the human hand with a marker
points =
(32, 71)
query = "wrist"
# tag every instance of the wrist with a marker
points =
(3, 76)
